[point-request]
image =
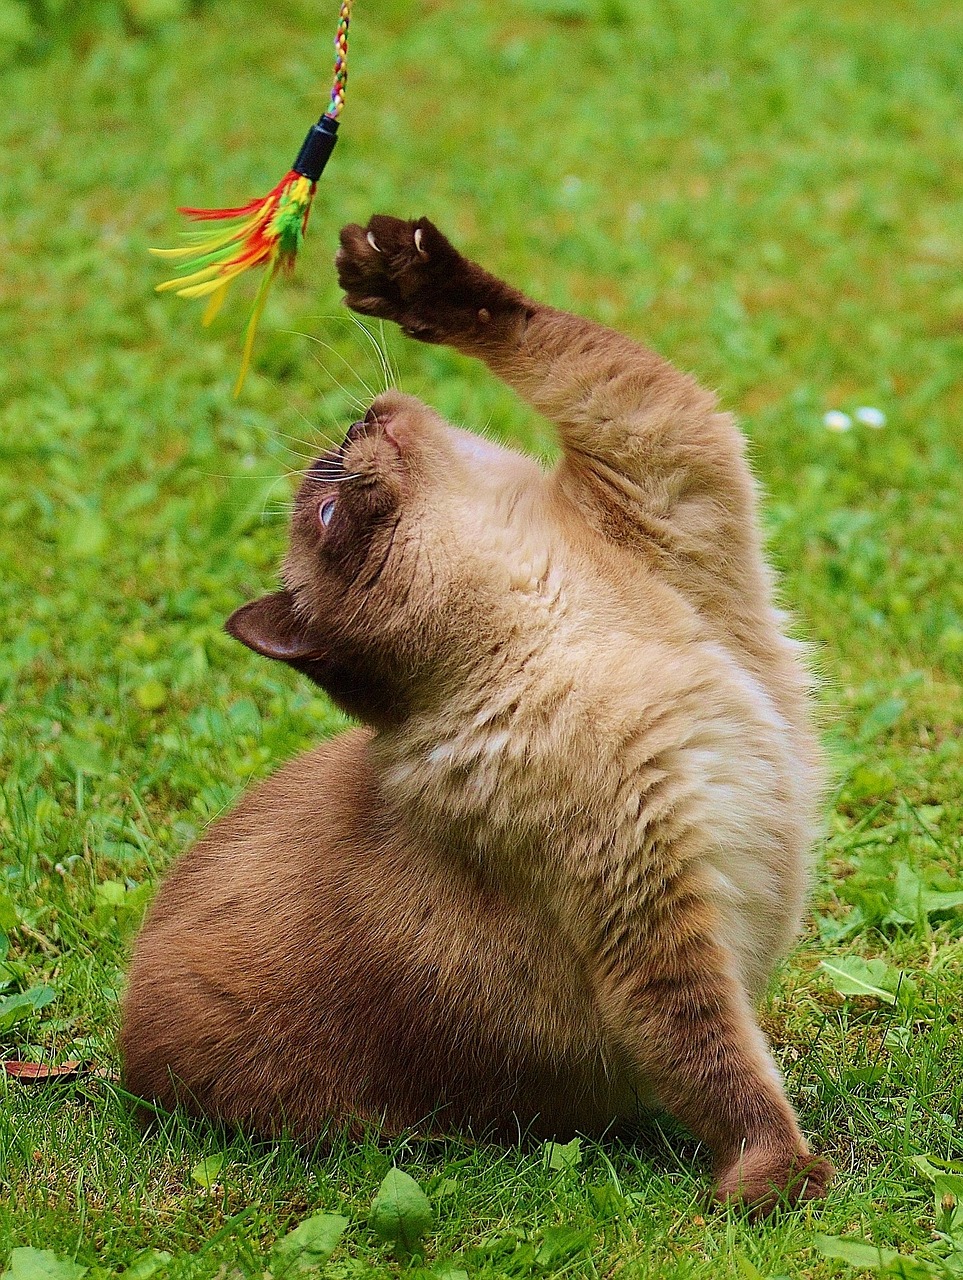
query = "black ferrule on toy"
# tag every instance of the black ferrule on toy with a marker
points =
(316, 149)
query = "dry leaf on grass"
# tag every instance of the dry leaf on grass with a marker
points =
(40, 1072)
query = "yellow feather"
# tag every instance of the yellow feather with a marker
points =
(208, 242)
(209, 286)
(205, 273)
(259, 304)
(215, 304)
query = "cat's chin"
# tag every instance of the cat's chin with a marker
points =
(477, 451)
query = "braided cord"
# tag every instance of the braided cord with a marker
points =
(340, 61)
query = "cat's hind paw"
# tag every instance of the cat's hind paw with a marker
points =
(762, 1180)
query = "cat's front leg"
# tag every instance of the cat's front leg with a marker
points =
(668, 990)
(639, 436)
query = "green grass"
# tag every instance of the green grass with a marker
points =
(772, 195)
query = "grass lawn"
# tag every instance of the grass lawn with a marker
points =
(771, 194)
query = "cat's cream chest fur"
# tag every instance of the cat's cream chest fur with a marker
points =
(613, 719)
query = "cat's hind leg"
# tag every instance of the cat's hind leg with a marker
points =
(669, 992)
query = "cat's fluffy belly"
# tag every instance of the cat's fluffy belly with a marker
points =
(612, 726)
(639, 756)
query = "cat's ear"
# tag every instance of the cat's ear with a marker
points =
(271, 626)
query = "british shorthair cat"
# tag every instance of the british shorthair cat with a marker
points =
(541, 888)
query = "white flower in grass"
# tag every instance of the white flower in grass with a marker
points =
(870, 417)
(836, 420)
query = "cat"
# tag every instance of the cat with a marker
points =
(541, 887)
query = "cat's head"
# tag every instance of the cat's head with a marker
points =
(391, 577)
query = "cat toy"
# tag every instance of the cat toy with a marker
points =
(267, 232)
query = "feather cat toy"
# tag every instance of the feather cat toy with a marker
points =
(267, 232)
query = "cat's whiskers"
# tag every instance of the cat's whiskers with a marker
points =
(330, 479)
(329, 442)
(323, 442)
(319, 342)
(354, 401)
(388, 369)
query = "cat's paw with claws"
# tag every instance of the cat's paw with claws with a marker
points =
(408, 272)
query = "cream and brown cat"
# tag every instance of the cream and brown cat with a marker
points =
(543, 885)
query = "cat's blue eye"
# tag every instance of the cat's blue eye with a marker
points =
(326, 511)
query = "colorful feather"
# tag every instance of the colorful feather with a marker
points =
(262, 233)
(266, 232)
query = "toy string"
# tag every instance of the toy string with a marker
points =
(340, 61)
(267, 232)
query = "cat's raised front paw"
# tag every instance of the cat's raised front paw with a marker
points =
(399, 270)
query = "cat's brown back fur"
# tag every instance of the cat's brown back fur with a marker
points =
(364, 1002)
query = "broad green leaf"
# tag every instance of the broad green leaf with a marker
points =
(906, 898)
(147, 1263)
(932, 1166)
(119, 905)
(401, 1212)
(913, 900)
(860, 1253)
(14, 1008)
(9, 919)
(924, 1166)
(854, 976)
(41, 1264)
(746, 1269)
(560, 1245)
(952, 1263)
(446, 1273)
(941, 900)
(865, 1075)
(563, 1155)
(111, 893)
(207, 1172)
(833, 931)
(750, 1272)
(310, 1244)
(40, 996)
